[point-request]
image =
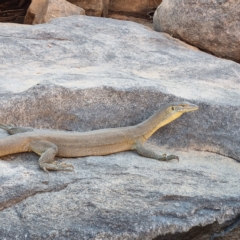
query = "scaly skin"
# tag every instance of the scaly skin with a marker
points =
(48, 143)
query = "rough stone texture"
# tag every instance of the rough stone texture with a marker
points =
(95, 8)
(213, 26)
(82, 73)
(134, 6)
(122, 196)
(41, 11)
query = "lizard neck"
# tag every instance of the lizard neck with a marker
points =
(157, 120)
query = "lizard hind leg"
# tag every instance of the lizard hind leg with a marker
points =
(48, 151)
(12, 129)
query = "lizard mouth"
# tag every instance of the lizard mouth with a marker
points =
(189, 108)
(186, 108)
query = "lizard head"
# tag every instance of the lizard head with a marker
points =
(173, 111)
(181, 107)
(167, 114)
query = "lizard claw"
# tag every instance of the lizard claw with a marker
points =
(66, 167)
(46, 171)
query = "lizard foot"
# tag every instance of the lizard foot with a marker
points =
(6, 127)
(169, 157)
(63, 164)
(57, 167)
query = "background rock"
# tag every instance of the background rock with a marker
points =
(213, 26)
(135, 6)
(41, 11)
(82, 73)
(96, 8)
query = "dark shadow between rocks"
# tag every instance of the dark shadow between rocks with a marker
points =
(13, 11)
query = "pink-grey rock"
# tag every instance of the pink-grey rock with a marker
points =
(41, 11)
(213, 26)
(134, 6)
(95, 8)
(84, 73)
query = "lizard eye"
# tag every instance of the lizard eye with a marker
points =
(173, 108)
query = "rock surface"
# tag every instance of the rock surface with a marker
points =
(122, 196)
(41, 11)
(82, 73)
(96, 8)
(213, 26)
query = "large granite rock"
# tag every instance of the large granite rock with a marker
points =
(213, 26)
(41, 11)
(82, 73)
(122, 196)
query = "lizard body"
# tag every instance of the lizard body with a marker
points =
(51, 143)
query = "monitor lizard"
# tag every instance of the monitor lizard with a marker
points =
(51, 143)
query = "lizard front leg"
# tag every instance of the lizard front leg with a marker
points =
(48, 151)
(145, 151)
